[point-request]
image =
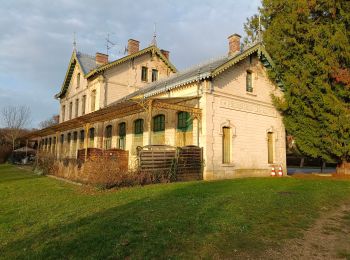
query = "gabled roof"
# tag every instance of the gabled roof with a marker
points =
(85, 62)
(88, 65)
(153, 49)
(208, 70)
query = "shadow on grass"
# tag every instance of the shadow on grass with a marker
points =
(213, 219)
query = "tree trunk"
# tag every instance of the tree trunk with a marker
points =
(343, 168)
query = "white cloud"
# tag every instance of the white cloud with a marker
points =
(37, 36)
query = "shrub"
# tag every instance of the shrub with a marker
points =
(45, 163)
(102, 172)
(5, 152)
(107, 173)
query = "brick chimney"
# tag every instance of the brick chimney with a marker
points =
(234, 44)
(101, 58)
(133, 46)
(165, 53)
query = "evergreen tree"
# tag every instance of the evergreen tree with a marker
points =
(310, 45)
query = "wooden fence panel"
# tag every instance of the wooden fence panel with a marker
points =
(186, 162)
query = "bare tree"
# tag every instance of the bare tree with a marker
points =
(15, 118)
(54, 120)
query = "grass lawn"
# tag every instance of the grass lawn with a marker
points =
(41, 217)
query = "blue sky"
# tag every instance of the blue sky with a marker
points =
(36, 39)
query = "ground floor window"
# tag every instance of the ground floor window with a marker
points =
(184, 133)
(54, 145)
(69, 137)
(91, 137)
(270, 147)
(158, 135)
(226, 145)
(121, 135)
(138, 135)
(108, 137)
(81, 139)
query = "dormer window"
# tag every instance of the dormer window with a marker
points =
(78, 80)
(249, 81)
(154, 75)
(144, 74)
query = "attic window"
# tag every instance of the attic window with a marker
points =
(70, 110)
(144, 73)
(249, 81)
(154, 75)
(78, 80)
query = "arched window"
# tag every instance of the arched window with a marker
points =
(81, 139)
(138, 135)
(158, 136)
(249, 81)
(69, 138)
(270, 147)
(226, 144)
(62, 138)
(184, 135)
(54, 144)
(74, 145)
(108, 137)
(121, 135)
(93, 100)
(78, 80)
(184, 121)
(158, 123)
(91, 137)
(138, 126)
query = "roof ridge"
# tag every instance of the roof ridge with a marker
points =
(85, 54)
(183, 72)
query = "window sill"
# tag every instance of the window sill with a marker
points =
(251, 94)
(229, 165)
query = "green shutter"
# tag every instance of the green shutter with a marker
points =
(159, 123)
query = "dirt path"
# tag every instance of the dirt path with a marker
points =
(328, 238)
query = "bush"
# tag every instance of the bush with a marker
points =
(101, 171)
(5, 152)
(106, 173)
(45, 163)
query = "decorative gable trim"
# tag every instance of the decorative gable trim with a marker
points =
(69, 73)
(152, 49)
(264, 58)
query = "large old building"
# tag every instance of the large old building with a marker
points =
(223, 106)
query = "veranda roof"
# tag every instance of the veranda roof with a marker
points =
(24, 149)
(118, 110)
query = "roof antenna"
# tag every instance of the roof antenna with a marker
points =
(154, 40)
(259, 30)
(74, 43)
(109, 44)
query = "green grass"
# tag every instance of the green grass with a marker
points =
(41, 217)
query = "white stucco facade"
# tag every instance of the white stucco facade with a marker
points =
(256, 132)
